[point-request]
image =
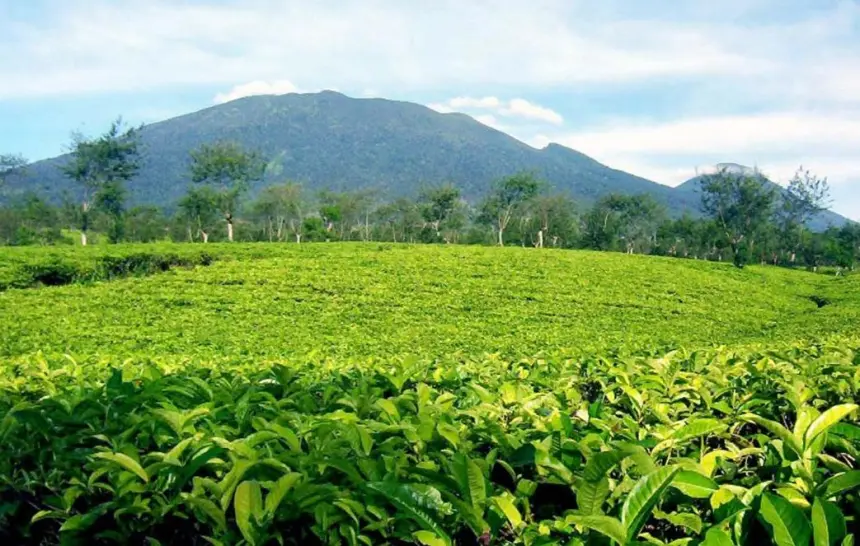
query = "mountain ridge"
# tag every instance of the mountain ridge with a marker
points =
(328, 140)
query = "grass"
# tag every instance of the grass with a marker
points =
(367, 300)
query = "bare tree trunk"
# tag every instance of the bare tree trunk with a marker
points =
(540, 239)
(501, 238)
(205, 236)
(230, 230)
(83, 238)
(298, 237)
(190, 235)
(366, 226)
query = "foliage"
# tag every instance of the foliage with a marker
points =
(354, 300)
(719, 446)
(741, 205)
(229, 170)
(101, 166)
(805, 196)
(509, 197)
(10, 163)
(182, 412)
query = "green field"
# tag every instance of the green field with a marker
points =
(354, 301)
(389, 394)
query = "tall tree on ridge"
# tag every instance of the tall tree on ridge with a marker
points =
(508, 197)
(805, 196)
(741, 205)
(102, 166)
(229, 170)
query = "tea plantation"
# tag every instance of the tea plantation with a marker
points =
(385, 394)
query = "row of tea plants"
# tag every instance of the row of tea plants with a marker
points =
(716, 448)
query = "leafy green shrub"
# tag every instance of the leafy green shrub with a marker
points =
(720, 447)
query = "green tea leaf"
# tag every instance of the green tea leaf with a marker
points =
(643, 497)
(828, 523)
(279, 490)
(477, 485)
(694, 485)
(428, 538)
(248, 506)
(414, 504)
(838, 484)
(508, 508)
(212, 510)
(776, 429)
(786, 523)
(604, 525)
(590, 496)
(717, 537)
(125, 462)
(827, 419)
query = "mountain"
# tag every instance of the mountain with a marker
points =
(693, 189)
(328, 140)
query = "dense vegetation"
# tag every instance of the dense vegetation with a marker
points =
(547, 451)
(424, 394)
(371, 300)
(747, 218)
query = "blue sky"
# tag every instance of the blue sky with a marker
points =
(656, 88)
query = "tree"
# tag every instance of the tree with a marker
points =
(631, 220)
(741, 205)
(10, 163)
(29, 220)
(509, 197)
(805, 196)
(282, 207)
(557, 217)
(110, 200)
(399, 220)
(229, 170)
(199, 208)
(438, 204)
(102, 166)
(145, 224)
(345, 213)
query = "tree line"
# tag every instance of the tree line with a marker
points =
(744, 218)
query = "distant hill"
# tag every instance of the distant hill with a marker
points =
(693, 189)
(329, 140)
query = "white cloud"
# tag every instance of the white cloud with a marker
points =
(524, 109)
(558, 43)
(751, 135)
(490, 121)
(514, 108)
(441, 108)
(280, 87)
(777, 143)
